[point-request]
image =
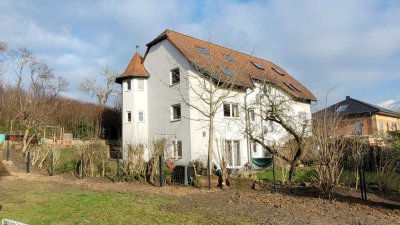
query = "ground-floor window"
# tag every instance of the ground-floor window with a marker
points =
(232, 149)
(177, 145)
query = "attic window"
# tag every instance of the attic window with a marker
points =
(228, 57)
(342, 108)
(257, 65)
(203, 50)
(291, 87)
(280, 72)
(227, 72)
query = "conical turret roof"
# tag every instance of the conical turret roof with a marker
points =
(135, 68)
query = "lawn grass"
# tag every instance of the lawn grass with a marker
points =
(53, 203)
(303, 174)
(308, 174)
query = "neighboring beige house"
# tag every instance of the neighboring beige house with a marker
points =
(364, 119)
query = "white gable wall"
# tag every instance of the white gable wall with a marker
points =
(159, 95)
(134, 101)
(161, 58)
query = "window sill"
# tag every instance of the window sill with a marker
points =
(171, 85)
(177, 120)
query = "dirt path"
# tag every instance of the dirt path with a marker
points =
(288, 206)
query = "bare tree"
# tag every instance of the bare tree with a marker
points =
(208, 89)
(329, 147)
(102, 91)
(274, 108)
(32, 99)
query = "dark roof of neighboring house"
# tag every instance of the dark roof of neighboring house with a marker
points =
(351, 106)
(247, 67)
(135, 68)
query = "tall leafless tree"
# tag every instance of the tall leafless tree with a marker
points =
(274, 108)
(208, 89)
(32, 99)
(105, 89)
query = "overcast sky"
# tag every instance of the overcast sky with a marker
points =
(351, 46)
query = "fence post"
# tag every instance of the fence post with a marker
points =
(273, 172)
(52, 163)
(161, 175)
(82, 169)
(118, 158)
(8, 150)
(28, 162)
(363, 179)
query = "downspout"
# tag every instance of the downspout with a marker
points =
(249, 153)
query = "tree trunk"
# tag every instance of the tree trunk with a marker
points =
(25, 142)
(210, 148)
(294, 163)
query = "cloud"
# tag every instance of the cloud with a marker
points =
(351, 45)
(393, 104)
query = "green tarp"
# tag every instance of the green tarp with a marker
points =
(2, 138)
(262, 162)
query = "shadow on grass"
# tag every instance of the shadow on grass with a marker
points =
(311, 192)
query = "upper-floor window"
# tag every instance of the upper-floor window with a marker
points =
(141, 116)
(176, 112)
(231, 109)
(128, 116)
(128, 85)
(175, 76)
(252, 115)
(140, 84)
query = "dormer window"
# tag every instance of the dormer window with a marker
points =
(175, 76)
(228, 57)
(257, 65)
(203, 51)
(227, 72)
(278, 71)
(342, 108)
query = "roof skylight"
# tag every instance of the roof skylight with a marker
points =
(257, 65)
(342, 108)
(280, 72)
(228, 57)
(227, 72)
(203, 50)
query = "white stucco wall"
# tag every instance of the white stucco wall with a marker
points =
(160, 60)
(192, 129)
(134, 101)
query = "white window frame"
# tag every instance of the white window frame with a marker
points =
(254, 146)
(252, 115)
(141, 120)
(172, 74)
(140, 84)
(231, 107)
(176, 150)
(234, 152)
(128, 116)
(357, 128)
(128, 85)
(172, 112)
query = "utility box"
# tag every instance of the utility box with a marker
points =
(184, 175)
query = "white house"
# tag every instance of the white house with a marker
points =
(157, 87)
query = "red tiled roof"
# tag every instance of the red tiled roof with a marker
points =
(242, 65)
(135, 68)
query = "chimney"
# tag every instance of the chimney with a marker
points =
(137, 48)
(347, 97)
